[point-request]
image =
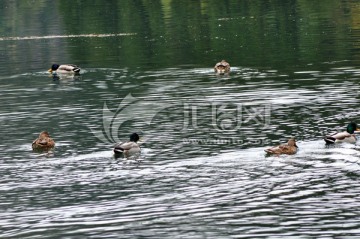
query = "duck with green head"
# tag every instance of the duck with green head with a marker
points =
(347, 136)
(289, 148)
(128, 148)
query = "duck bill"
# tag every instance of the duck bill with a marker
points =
(50, 70)
(357, 131)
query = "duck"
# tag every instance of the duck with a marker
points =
(289, 148)
(44, 141)
(129, 147)
(68, 68)
(347, 136)
(222, 67)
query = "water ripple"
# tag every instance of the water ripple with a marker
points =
(221, 185)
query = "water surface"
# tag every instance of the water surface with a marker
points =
(147, 67)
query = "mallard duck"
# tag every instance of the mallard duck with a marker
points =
(289, 148)
(73, 69)
(222, 67)
(43, 141)
(129, 147)
(346, 136)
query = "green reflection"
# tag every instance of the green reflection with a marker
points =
(275, 34)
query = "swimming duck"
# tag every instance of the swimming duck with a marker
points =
(129, 147)
(222, 67)
(346, 136)
(43, 141)
(289, 148)
(73, 69)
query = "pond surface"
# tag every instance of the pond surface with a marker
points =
(147, 67)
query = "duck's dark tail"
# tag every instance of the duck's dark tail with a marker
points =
(329, 140)
(76, 70)
(118, 150)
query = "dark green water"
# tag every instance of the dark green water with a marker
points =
(147, 66)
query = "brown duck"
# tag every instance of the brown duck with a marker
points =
(289, 148)
(43, 141)
(222, 67)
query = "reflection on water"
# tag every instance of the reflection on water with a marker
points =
(203, 171)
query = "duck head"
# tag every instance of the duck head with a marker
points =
(352, 127)
(292, 142)
(44, 134)
(54, 67)
(134, 137)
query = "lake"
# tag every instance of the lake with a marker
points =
(147, 67)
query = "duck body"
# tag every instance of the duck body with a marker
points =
(289, 148)
(64, 69)
(347, 136)
(43, 142)
(222, 67)
(128, 148)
